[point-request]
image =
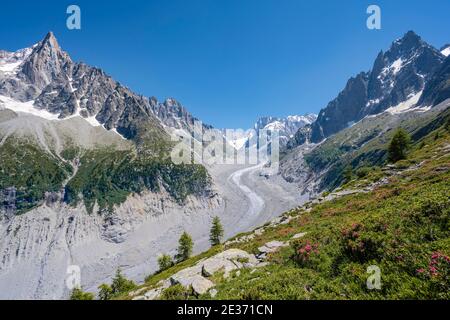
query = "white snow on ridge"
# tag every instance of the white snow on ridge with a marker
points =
(446, 51)
(10, 61)
(305, 119)
(276, 125)
(396, 65)
(405, 105)
(92, 121)
(372, 102)
(28, 107)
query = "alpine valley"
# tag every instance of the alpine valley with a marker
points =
(86, 180)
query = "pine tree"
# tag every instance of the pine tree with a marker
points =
(165, 262)
(79, 294)
(216, 233)
(185, 246)
(399, 145)
(120, 284)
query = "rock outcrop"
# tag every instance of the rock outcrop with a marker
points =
(196, 277)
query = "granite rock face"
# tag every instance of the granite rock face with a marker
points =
(437, 88)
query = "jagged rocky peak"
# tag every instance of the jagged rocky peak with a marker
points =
(174, 115)
(397, 78)
(409, 42)
(401, 72)
(28, 71)
(46, 62)
(49, 80)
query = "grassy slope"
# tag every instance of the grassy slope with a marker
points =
(402, 227)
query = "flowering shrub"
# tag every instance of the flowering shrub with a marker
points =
(437, 260)
(358, 243)
(438, 272)
(305, 251)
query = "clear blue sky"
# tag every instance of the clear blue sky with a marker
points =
(228, 61)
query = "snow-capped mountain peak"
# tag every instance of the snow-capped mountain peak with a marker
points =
(286, 128)
(11, 61)
(395, 81)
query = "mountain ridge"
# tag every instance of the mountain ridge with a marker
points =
(396, 75)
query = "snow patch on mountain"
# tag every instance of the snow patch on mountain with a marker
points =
(10, 61)
(25, 107)
(406, 105)
(28, 107)
(394, 68)
(446, 51)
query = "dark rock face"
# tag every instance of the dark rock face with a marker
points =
(341, 111)
(302, 136)
(437, 89)
(397, 74)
